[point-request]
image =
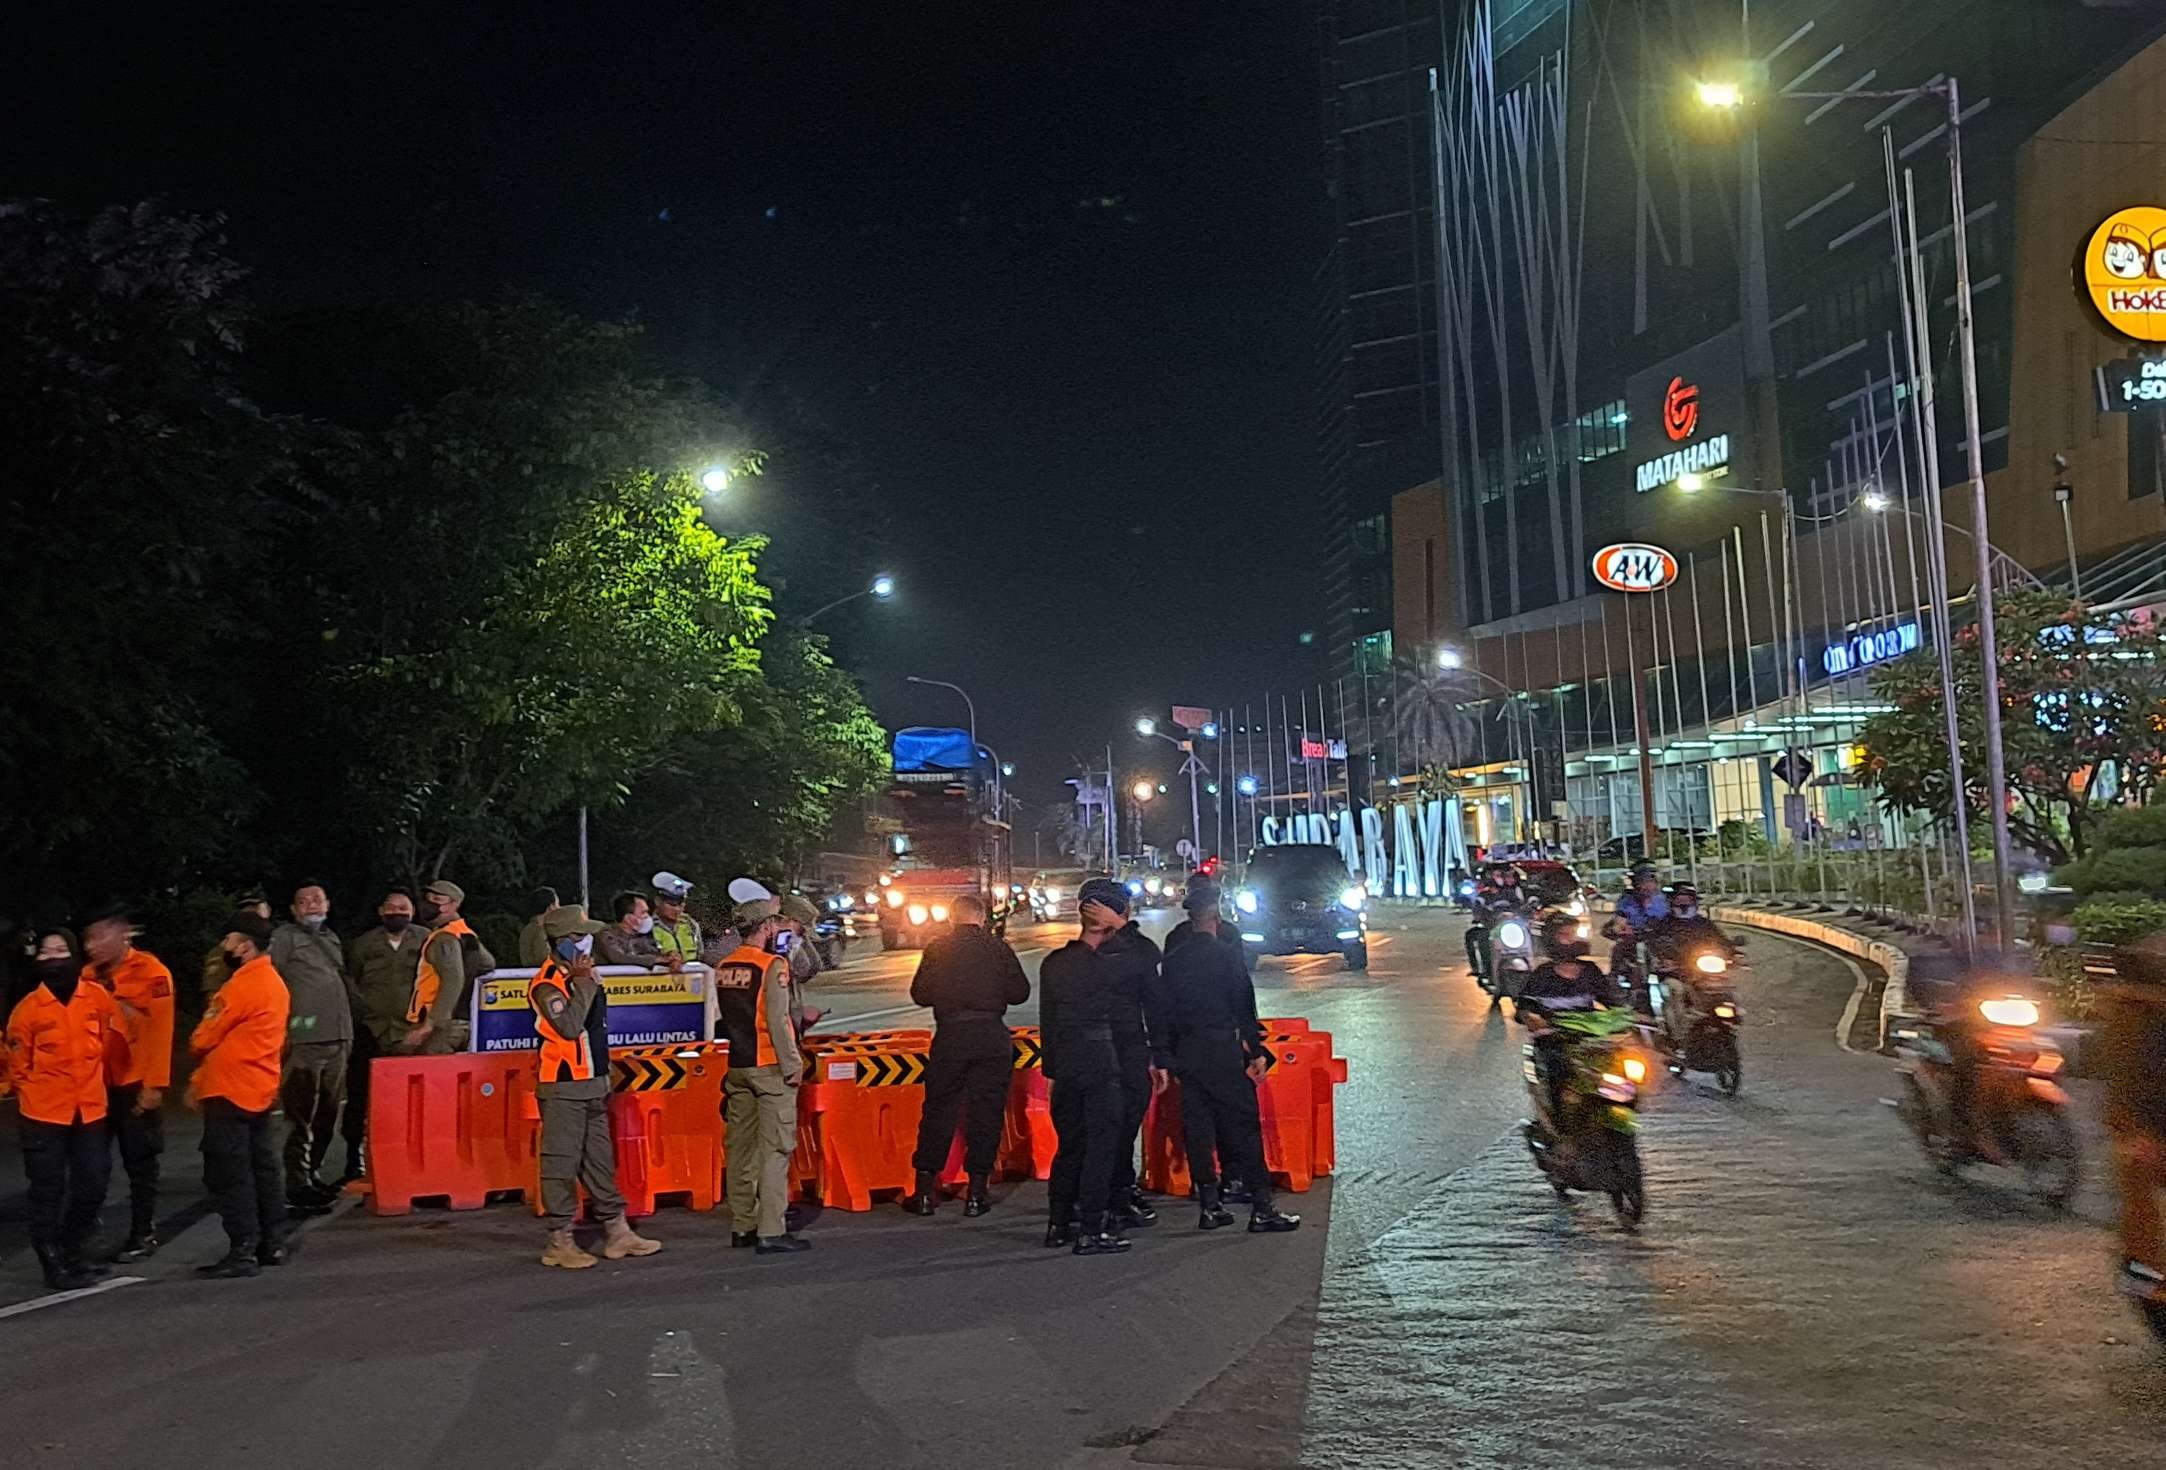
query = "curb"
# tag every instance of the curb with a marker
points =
(1890, 960)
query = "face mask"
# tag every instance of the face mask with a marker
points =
(396, 923)
(644, 924)
(783, 942)
(572, 948)
(314, 921)
(428, 912)
(59, 975)
(234, 961)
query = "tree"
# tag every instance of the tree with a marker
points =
(137, 479)
(2083, 695)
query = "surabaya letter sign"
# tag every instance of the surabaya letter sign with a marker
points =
(1634, 566)
(2124, 271)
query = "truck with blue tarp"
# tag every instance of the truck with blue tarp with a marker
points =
(945, 796)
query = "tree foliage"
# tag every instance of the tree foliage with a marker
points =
(2081, 694)
(467, 584)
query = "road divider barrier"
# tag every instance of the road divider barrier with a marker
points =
(452, 1128)
(1294, 1101)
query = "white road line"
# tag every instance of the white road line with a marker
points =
(39, 1303)
(1857, 993)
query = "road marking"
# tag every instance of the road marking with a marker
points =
(54, 1300)
(1857, 993)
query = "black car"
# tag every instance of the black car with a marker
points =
(1299, 899)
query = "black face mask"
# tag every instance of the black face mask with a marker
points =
(427, 912)
(234, 961)
(59, 976)
(396, 923)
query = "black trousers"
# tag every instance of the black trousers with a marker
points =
(1135, 1104)
(1220, 1122)
(241, 1171)
(1087, 1114)
(68, 1166)
(971, 1081)
(141, 1137)
(356, 1124)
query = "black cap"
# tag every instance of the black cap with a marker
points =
(1105, 891)
(252, 926)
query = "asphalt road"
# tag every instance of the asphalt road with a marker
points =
(1432, 1284)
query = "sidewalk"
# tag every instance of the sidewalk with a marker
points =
(1805, 1291)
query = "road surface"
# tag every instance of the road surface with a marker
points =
(1805, 1292)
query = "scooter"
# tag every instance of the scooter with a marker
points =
(1700, 1019)
(2022, 1112)
(1506, 954)
(1592, 1144)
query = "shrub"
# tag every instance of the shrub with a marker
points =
(2119, 918)
(2136, 826)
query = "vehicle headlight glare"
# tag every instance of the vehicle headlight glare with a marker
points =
(940, 913)
(1512, 936)
(917, 913)
(1711, 964)
(1354, 897)
(1245, 901)
(894, 898)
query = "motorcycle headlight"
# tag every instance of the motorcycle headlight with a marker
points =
(872, 896)
(1512, 934)
(917, 913)
(1635, 1069)
(1245, 901)
(1576, 907)
(1725, 1012)
(1354, 897)
(2009, 1010)
(1711, 964)
(940, 913)
(1052, 895)
(1135, 889)
(1152, 885)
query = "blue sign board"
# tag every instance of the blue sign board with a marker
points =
(1863, 650)
(646, 1008)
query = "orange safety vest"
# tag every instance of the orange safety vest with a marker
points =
(561, 1060)
(741, 998)
(428, 984)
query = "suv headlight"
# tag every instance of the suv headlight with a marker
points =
(1245, 900)
(1354, 897)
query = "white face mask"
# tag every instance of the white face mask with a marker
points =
(644, 924)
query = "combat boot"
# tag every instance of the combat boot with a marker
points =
(564, 1251)
(619, 1240)
(1215, 1214)
(925, 1198)
(976, 1203)
(59, 1275)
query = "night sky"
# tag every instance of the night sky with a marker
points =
(1044, 271)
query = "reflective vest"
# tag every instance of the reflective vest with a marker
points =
(428, 983)
(561, 1060)
(681, 938)
(741, 1003)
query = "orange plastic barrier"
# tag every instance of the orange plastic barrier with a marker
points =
(1324, 1083)
(455, 1128)
(864, 1107)
(666, 1117)
(1293, 1102)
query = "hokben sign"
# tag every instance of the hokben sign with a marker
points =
(2124, 271)
(1634, 566)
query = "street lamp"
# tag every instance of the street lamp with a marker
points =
(714, 479)
(1452, 659)
(1758, 347)
(1246, 785)
(1449, 658)
(1148, 726)
(967, 701)
(1720, 94)
(1191, 768)
(1143, 791)
(880, 590)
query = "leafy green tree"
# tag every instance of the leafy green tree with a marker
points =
(2079, 692)
(137, 478)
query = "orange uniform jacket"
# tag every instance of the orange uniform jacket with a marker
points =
(242, 1038)
(142, 1045)
(55, 1060)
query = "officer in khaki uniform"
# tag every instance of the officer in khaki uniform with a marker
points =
(752, 995)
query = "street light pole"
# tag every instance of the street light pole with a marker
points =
(882, 588)
(967, 702)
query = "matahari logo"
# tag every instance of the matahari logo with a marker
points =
(2124, 271)
(1680, 410)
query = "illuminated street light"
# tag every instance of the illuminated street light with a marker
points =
(881, 589)
(1209, 730)
(1691, 481)
(1007, 768)
(1146, 726)
(883, 586)
(1448, 658)
(1724, 95)
(1161, 788)
(714, 480)
(1246, 786)
(1873, 500)
(1143, 791)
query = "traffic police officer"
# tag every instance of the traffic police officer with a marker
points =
(1212, 1040)
(676, 933)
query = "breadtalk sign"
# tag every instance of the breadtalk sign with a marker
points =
(2124, 272)
(1634, 566)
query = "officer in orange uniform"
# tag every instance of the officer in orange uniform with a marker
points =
(759, 1092)
(57, 1037)
(138, 1065)
(571, 1016)
(239, 1046)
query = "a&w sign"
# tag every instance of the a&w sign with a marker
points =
(1633, 566)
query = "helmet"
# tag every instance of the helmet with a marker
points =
(1644, 869)
(1561, 936)
(1684, 892)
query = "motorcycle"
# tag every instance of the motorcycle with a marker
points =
(1700, 1018)
(1592, 1144)
(1505, 950)
(2022, 1112)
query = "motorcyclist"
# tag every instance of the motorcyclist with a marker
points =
(1501, 891)
(1950, 990)
(1566, 980)
(2132, 1049)
(1639, 909)
(1674, 942)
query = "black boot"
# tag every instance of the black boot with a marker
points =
(1061, 1228)
(976, 1203)
(1134, 1211)
(79, 1264)
(1100, 1236)
(924, 1199)
(140, 1245)
(238, 1262)
(1215, 1215)
(1265, 1220)
(59, 1275)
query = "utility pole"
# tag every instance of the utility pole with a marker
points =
(1639, 733)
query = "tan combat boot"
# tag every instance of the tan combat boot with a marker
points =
(564, 1251)
(619, 1240)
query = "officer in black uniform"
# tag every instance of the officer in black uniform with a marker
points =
(969, 978)
(1211, 1039)
(1131, 962)
(1078, 995)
